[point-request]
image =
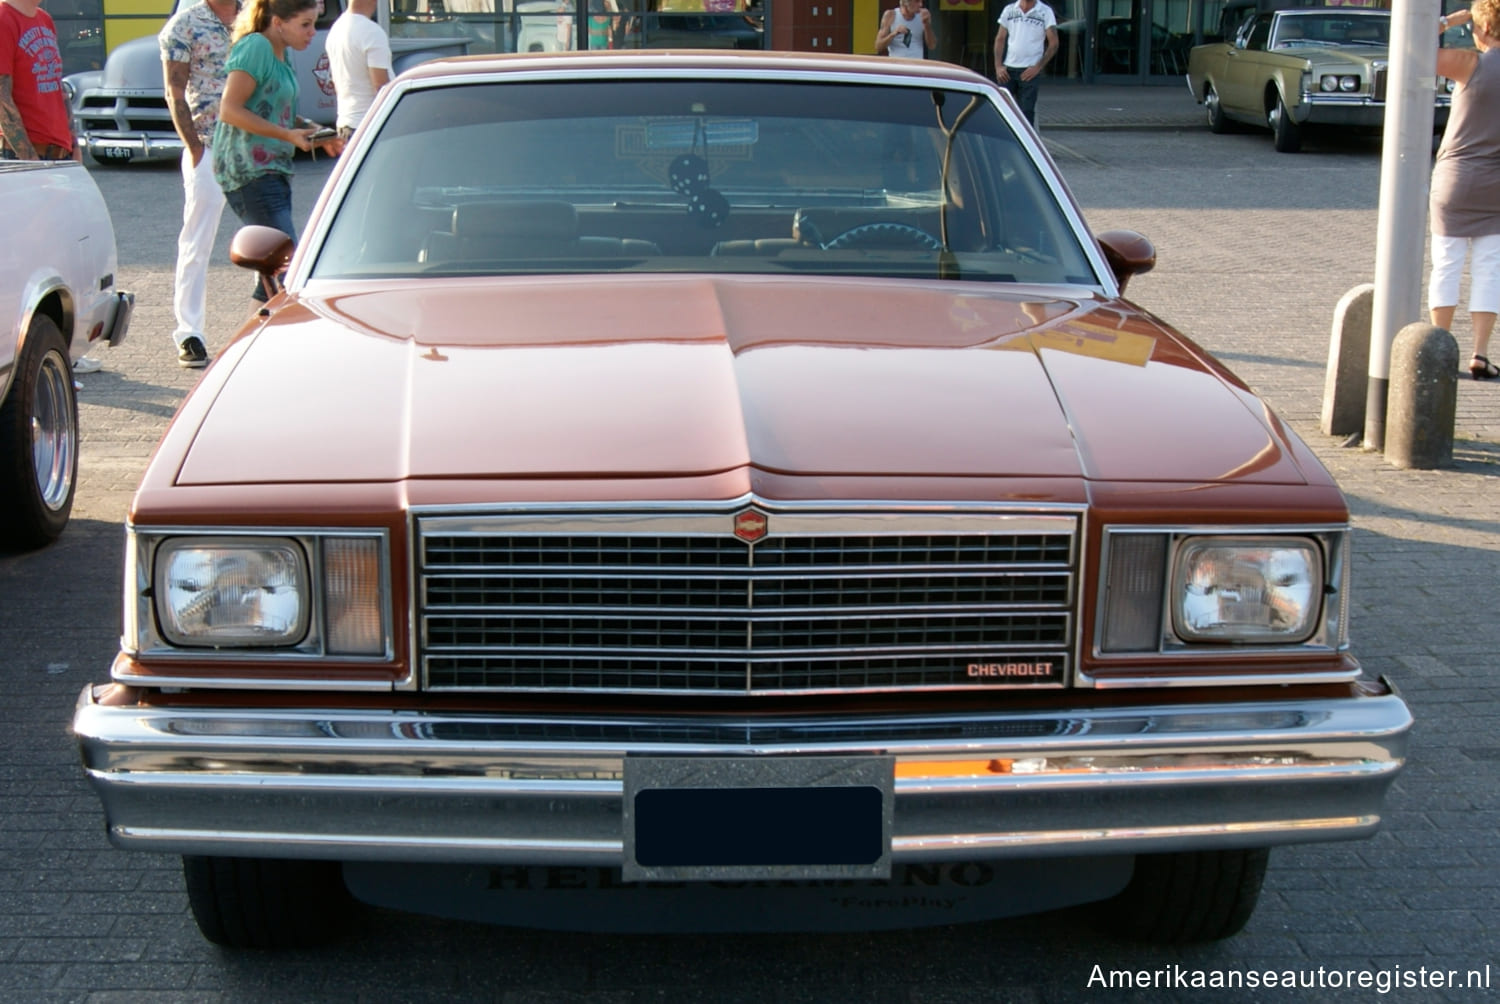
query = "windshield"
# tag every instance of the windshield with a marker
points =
(693, 176)
(1332, 29)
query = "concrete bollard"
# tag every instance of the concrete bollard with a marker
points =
(1423, 399)
(1344, 388)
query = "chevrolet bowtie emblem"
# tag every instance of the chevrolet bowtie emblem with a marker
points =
(751, 525)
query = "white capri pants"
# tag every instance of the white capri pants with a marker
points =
(1448, 265)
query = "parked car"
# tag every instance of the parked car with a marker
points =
(1289, 70)
(120, 113)
(540, 28)
(57, 298)
(699, 24)
(745, 477)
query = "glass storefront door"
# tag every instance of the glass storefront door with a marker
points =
(1143, 39)
(1117, 38)
(1072, 39)
(1172, 25)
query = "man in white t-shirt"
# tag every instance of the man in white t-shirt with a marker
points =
(359, 57)
(1025, 42)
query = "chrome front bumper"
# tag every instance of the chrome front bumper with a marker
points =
(455, 787)
(1352, 110)
(132, 146)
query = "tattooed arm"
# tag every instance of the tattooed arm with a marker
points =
(11, 126)
(175, 75)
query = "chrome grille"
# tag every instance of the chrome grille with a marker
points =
(1377, 85)
(675, 603)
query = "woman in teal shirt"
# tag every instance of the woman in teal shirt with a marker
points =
(258, 134)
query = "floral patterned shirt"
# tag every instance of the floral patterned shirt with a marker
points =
(197, 37)
(240, 157)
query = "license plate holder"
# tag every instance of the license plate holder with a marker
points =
(749, 818)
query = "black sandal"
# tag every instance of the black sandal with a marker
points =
(1481, 368)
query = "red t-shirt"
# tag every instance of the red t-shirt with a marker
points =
(30, 57)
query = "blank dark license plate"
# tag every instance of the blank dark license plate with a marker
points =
(758, 818)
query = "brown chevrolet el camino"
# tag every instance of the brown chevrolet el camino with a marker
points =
(732, 483)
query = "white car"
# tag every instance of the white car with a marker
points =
(120, 113)
(57, 297)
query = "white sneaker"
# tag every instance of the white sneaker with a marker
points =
(87, 364)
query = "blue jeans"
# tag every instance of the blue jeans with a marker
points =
(1024, 91)
(266, 202)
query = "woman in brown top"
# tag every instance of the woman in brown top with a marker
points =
(1465, 201)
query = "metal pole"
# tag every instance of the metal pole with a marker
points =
(1405, 172)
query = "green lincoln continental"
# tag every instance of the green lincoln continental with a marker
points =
(1292, 69)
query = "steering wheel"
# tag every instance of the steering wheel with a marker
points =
(888, 235)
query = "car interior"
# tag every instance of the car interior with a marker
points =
(695, 176)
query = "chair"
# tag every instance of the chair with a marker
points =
(1117, 45)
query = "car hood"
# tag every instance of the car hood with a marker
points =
(612, 376)
(1322, 55)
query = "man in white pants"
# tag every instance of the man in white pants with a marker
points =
(194, 45)
(359, 59)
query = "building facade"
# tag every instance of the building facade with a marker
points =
(1102, 41)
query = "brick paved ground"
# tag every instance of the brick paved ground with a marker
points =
(1255, 248)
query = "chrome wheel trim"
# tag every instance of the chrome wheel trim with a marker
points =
(1211, 102)
(54, 432)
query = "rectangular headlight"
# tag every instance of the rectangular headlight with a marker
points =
(227, 591)
(1263, 590)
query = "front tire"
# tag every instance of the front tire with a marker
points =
(1189, 896)
(1286, 133)
(266, 902)
(38, 441)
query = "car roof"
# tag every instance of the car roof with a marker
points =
(806, 65)
(1295, 7)
(1340, 11)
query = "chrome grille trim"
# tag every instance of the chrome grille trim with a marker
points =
(672, 603)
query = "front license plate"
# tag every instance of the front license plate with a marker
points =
(706, 818)
(118, 152)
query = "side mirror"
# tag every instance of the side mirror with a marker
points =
(265, 250)
(1128, 254)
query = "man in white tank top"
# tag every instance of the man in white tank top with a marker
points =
(906, 31)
